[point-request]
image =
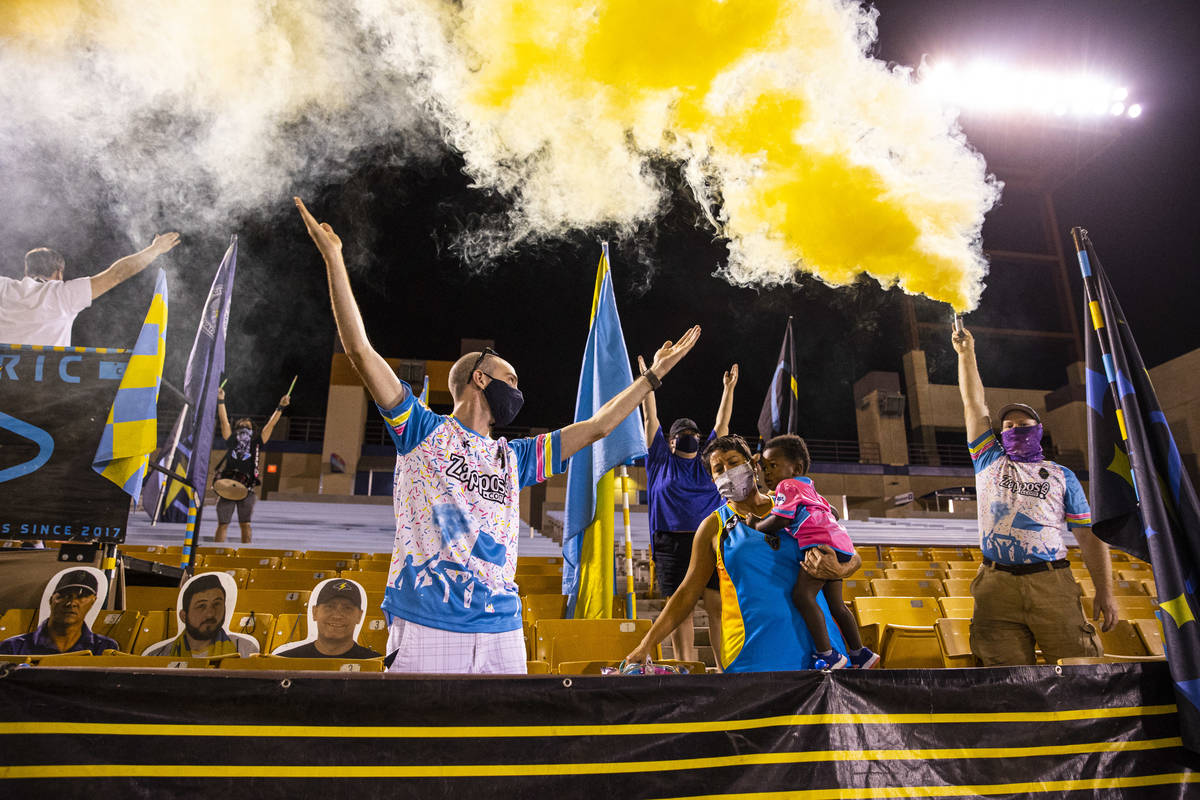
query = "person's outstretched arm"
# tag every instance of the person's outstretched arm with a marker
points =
(649, 409)
(725, 409)
(683, 601)
(579, 435)
(970, 386)
(270, 426)
(125, 268)
(380, 380)
(1099, 565)
(222, 415)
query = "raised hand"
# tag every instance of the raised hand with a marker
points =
(671, 353)
(164, 242)
(328, 242)
(963, 341)
(220, 394)
(731, 377)
(285, 401)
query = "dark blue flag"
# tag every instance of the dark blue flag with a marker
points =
(200, 383)
(780, 411)
(1142, 499)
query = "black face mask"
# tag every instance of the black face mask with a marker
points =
(503, 400)
(687, 443)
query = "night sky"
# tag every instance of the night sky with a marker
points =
(399, 220)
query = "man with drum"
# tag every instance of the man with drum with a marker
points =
(237, 472)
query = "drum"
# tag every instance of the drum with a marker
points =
(233, 485)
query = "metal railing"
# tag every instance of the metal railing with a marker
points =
(938, 455)
(843, 451)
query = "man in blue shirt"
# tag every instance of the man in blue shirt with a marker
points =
(681, 494)
(66, 630)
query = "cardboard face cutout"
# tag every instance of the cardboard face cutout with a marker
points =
(212, 602)
(339, 591)
(90, 578)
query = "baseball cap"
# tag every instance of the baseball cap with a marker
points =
(682, 424)
(1018, 407)
(340, 588)
(77, 579)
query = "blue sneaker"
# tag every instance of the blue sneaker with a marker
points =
(834, 661)
(864, 659)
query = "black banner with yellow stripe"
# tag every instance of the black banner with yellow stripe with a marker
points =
(1044, 732)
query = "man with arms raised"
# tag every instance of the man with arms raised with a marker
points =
(451, 599)
(41, 307)
(1025, 593)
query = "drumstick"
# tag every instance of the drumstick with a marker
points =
(293, 386)
(225, 381)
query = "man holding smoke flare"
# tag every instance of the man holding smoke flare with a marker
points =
(451, 600)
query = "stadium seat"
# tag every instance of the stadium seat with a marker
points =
(239, 574)
(1137, 566)
(908, 554)
(260, 626)
(374, 633)
(317, 564)
(868, 574)
(909, 647)
(1084, 660)
(125, 661)
(9, 659)
(1150, 632)
(558, 640)
(957, 587)
(595, 667)
(17, 621)
(380, 567)
(154, 627)
(219, 551)
(539, 560)
(212, 563)
(335, 555)
(296, 580)
(1117, 555)
(540, 584)
(540, 606)
(855, 587)
(913, 574)
(288, 628)
(1132, 575)
(267, 552)
(962, 574)
(954, 639)
(1150, 588)
(538, 569)
(167, 559)
(973, 566)
(874, 614)
(1129, 606)
(1123, 640)
(123, 626)
(272, 601)
(957, 607)
(388, 557)
(918, 564)
(952, 554)
(151, 598)
(878, 566)
(1127, 587)
(1086, 585)
(284, 664)
(924, 587)
(537, 668)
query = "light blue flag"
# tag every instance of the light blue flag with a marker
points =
(588, 534)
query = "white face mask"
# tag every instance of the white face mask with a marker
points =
(736, 483)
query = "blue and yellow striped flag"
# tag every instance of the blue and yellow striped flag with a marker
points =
(131, 434)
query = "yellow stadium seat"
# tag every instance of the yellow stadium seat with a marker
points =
(558, 640)
(123, 626)
(388, 557)
(957, 607)
(269, 552)
(288, 628)
(374, 583)
(125, 661)
(239, 575)
(154, 627)
(284, 664)
(951, 554)
(876, 613)
(1106, 659)
(260, 626)
(212, 563)
(1117, 555)
(1127, 588)
(957, 587)
(169, 559)
(538, 569)
(855, 587)
(317, 564)
(962, 574)
(595, 667)
(1150, 588)
(17, 621)
(537, 668)
(335, 555)
(972, 566)
(151, 598)
(909, 647)
(913, 574)
(543, 606)
(954, 640)
(286, 579)
(10, 659)
(1123, 640)
(930, 587)
(141, 548)
(1132, 575)
(219, 551)
(868, 574)
(366, 565)
(1086, 585)
(1129, 606)
(918, 564)
(1137, 566)
(540, 584)
(1151, 634)
(878, 566)
(374, 633)
(539, 560)
(908, 554)
(272, 601)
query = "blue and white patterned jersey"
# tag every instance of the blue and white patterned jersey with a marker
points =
(1024, 508)
(458, 519)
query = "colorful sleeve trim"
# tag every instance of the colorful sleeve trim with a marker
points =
(982, 445)
(1079, 520)
(548, 449)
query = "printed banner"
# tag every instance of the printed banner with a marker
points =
(55, 404)
(1037, 732)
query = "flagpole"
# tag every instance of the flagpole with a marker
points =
(162, 493)
(189, 543)
(630, 605)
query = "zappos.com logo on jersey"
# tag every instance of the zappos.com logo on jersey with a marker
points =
(489, 487)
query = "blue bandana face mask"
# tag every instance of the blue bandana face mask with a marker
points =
(1023, 443)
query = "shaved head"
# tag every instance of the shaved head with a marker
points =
(460, 373)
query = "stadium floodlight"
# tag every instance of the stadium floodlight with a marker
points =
(991, 87)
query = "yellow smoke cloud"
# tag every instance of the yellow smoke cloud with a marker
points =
(806, 153)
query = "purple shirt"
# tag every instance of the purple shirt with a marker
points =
(39, 643)
(681, 492)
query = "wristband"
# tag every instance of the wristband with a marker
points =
(652, 379)
(220, 402)
(279, 408)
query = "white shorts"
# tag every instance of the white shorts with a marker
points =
(422, 649)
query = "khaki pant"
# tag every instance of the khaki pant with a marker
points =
(1012, 612)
